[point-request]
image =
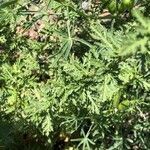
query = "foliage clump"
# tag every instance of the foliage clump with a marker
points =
(72, 77)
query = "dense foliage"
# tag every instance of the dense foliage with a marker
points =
(74, 74)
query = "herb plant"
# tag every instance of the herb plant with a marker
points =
(74, 76)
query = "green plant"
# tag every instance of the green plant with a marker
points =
(71, 79)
